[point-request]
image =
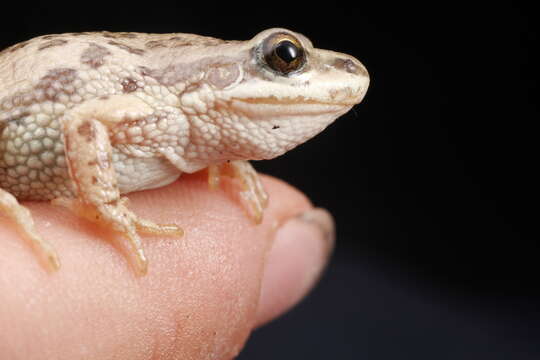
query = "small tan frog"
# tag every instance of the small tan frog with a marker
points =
(86, 117)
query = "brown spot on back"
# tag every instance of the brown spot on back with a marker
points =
(120, 35)
(127, 48)
(87, 131)
(128, 35)
(17, 46)
(52, 43)
(193, 40)
(129, 85)
(78, 34)
(56, 82)
(153, 44)
(94, 55)
(50, 37)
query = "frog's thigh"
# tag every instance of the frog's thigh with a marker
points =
(89, 158)
(22, 217)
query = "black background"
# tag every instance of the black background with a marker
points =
(432, 179)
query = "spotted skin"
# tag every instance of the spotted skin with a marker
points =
(88, 117)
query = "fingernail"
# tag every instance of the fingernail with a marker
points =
(322, 219)
(298, 256)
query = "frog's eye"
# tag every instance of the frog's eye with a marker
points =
(283, 53)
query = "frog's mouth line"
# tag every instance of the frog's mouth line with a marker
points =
(299, 106)
(298, 100)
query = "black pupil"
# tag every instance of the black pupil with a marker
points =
(287, 51)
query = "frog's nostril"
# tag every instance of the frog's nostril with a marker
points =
(349, 66)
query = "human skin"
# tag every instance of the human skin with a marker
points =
(204, 293)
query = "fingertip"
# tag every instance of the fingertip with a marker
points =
(295, 262)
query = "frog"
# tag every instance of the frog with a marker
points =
(86, 118)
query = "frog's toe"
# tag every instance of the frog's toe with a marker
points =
(22, 217)
(150, 228)
(118, 217)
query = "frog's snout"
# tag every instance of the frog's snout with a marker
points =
(350, 65)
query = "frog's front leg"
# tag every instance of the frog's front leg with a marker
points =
(89, 157)
(250, 189)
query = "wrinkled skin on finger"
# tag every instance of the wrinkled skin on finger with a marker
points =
(198, 301)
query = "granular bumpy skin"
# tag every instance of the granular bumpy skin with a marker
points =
(88, 117)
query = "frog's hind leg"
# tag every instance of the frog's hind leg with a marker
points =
(89, 158)
(22, 217)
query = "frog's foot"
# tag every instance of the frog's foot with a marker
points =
(253, 197)
(117, 216)
(22, 217)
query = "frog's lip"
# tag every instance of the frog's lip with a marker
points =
(298, 100)
(289, 106)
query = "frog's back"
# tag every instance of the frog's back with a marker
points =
(36, 62)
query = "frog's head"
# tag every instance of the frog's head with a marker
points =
(275, 91)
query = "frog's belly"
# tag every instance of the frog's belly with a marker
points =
(36, 169)
(135, 173)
